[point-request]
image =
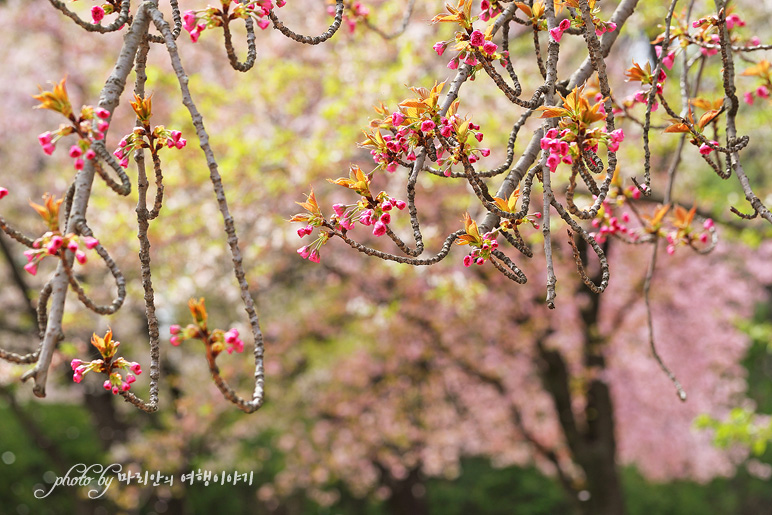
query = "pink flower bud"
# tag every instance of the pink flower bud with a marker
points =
(115, 390)
(314, 256)
(438, 47)
(379, 229)
(670, 250)
(397, 118)
(175, 329)
(304, 252)
(125, 387)
(489, 47)
(49, 148)
(762, 91)
(467, 260)
(3, 192)
(130, 378)
(103, 126)
(97, 13)
(79, 164)
(339, 209)
(90, 154)
(44, 138)
(75, 363)
(102, 113)
(386, 218)
(175, 340)
(81, 257)
(134, 366)
(708, 224)
(31, 268)
(302, 232)
(107, 385)
(400, 204)
(90, 242)
(427, 125)
(453, 64)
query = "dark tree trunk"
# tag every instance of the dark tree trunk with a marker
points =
(408, 496)
(591, 439)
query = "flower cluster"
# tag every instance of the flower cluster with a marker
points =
(109, 365)
(575, 131)
(417, 123)
(467, 43)
(53, 242)
(482, 245)
(762, 70)
(143, 137)
(557, 148)
(353, 13)
(644, 75)
(195, 22)
(215, 340)
(369, 211)
(672, 223)
(90, 126)
(490, 9)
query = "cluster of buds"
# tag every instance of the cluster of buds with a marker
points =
(215, 340)
(52, 243)
(645, 76)
(353, 13)
(417, 123)
(91, 125)
(143, 137)
(675, 226)
(482, 245)
(608, 223)
(195, 22)
(557, 147)
(575, 129)
(490, 9)
(159, 138)
(109, 365)
(672, 223)
(762, 70)
(466, 45)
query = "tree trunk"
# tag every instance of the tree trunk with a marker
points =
(408, 497)
(591, 440)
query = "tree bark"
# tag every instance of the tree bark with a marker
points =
(591, 439)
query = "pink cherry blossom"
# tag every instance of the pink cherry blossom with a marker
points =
(477, 38)
(3, 192)
(102, 113)
(31, 268)
(97, 13)
(379, 228)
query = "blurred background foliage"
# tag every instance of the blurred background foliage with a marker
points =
(294, 121)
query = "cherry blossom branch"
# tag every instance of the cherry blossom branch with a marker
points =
(400, 29)
(109, 99)
(308, 40)
(257, 396)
